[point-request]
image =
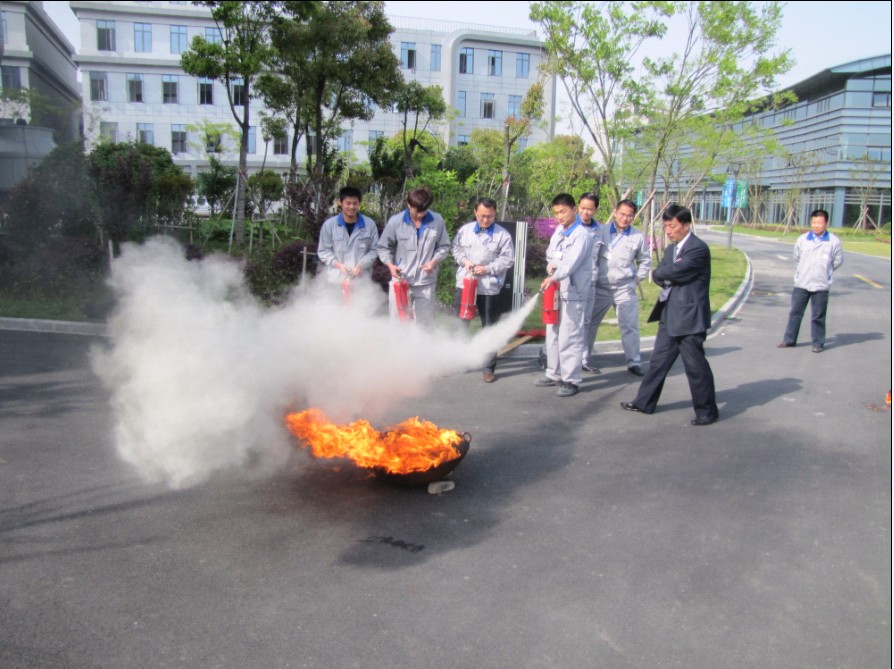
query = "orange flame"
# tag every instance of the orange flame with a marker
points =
(412, 446)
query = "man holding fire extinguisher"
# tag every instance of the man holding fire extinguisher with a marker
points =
(412, 245)
(484, 252)
(348, 241)
(570, 267)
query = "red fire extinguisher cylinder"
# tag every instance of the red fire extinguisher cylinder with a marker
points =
(551, 304)
(468, 304)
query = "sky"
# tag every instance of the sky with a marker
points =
(819, 34)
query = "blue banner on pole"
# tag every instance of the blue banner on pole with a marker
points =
(728, 186)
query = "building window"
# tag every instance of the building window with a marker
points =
(145, 134)
(495, 63)
(281, 145)
(435, 62)
(462, 140)
(169, 85)
(11, 78)
(487, 105)
(108, 131)
(142, 37)
(374, 136)
(135, 88)
(881, 99)
(346, 141)
(4, 39)
(408, 55)
(99, 86)
(467, 60)
(178, 39)
(206, 91)
(522, 65)
(178, 138)
(515, 105)
(461, 103)
(105, 35)
(213, 36)
(238, 93)
(252, 139)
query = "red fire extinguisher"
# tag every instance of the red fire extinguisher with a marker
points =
(402, 298)
(551, 304)
(468, 302)
(346, 291)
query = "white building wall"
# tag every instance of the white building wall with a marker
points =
(125, 60)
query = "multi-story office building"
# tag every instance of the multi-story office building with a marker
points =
(134, 88)
(835, 145)
(41, 103)
(36, 56)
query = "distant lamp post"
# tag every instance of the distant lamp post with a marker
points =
(730, 199)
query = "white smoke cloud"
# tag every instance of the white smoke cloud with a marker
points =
(200, 375)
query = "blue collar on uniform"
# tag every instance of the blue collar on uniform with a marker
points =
(594, 224)
(614, 230)
(358, 223)
(489, 231)
(428, 218)
(571, 228)
(823, 238)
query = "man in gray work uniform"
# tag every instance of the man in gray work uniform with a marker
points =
(412, 245)
(624, 261)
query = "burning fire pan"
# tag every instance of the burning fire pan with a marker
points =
(429, 475)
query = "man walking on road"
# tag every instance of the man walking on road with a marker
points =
(684, 308)
(818, 254)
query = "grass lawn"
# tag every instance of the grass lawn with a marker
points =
(727, 273)
(870, 243)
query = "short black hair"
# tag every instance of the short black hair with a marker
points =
(626, 203)
(564, 199)
(590, 195)
(820, 212)
(488, 202)
(349, 191)
(677, 211)
(420, 198)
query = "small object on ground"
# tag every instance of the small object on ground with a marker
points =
(437, 487)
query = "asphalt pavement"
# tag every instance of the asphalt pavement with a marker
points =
(578, 535)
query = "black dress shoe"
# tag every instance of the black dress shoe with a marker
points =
(636, 370)
(630, 406)
(704, 420)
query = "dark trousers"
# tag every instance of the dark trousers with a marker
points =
(819, 300)
(489, 313)
(698, 372)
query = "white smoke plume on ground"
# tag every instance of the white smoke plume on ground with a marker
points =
(200, 375)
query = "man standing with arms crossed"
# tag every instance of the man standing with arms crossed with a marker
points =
(684, 308)
(624, 261)
(484, 250)
(818, 254)
(413, 244)
(570, 264)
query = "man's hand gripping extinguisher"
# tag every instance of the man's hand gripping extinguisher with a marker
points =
(468, 302)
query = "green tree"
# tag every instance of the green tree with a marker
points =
(133, 187)
(593, 49)
(418, 106)
(217, 184)
(515, 128)
(236, 61)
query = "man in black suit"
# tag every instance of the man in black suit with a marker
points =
(684, 314)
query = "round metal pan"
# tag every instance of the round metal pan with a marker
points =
(427, 476)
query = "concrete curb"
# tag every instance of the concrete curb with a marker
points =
(523, 351)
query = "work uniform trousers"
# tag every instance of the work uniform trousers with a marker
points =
(565, 343)
(698, 372)
(624, 299)
(819, 301)
(488, 307)
(422, 303)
